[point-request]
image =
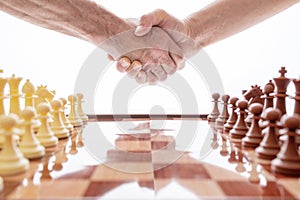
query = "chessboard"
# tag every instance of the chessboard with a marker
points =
(252, 152)
(147, 159)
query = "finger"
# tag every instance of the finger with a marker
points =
(141, 77)
(134, 69)
(123, 64)
(155, 18)
(159, 72)
(178, 60)
(110, 57)
(168, 65)
(151, 78)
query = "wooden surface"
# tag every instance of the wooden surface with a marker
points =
(145, 162)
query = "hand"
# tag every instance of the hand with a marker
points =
(178, 30)
(149, 58)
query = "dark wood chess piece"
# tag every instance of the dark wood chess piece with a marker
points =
(233, 116)
(281, 86)
(240, 129)
(254, 136)
(288, 159)
(297, 96)
(215, 112)
(269, 146)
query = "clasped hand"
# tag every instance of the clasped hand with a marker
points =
(154, 49)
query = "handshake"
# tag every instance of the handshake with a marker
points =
(154, 47)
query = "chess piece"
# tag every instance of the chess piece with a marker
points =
(288, 159)
(223, 117)
(268, 90)
(28, 89)
(14, 83)
(80, 112)
(240, 129)
(57, 126)
(215, 113)
(233, 117)
(73, 117)
(12, 160)
(297, 96)
(63, 115)
(45, 135)
(253, 136)
(30, 146)
(281, 86)
(269, 146)
(43, 95)
(3, 82)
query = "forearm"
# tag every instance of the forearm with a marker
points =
(224, 18)
(83, 19)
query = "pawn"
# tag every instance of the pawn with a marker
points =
(254, 136)
(269, 146)
(63, 115)
(240, 129)
(30, 146)
(57, 126)
(233, 117)
(45, 135)
(288, 160)
(222, 118)
(73, 117)
(215, 113)
(82, 115)
(12, 160)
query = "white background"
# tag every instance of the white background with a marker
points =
(251, 57)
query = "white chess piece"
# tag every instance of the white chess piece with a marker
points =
(73, 117)
(12, 160)
(14, 83)
(80, 112)
(57, 126)
(45, 135)
(1, 184)
(63, 115)
(30, 146)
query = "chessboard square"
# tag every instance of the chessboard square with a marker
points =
(135, 145)
(123, 172)
(52, 189)
(165, 157)
(85, 173)
(119, 189)
(292, 185)
(220, 174)
(125, 156)
(180, 171)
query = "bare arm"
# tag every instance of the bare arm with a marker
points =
(224, 18)
(83, 19)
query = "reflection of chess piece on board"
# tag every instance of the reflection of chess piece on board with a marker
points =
(269, 146)
(46, 172)
(288, 159)
(281, 86)
(233, 117)
(3, 82)
(73, 117)
(297, 96)
(222, 118)
(45, 135)
(254, 136)
(63, 115)
(57, 126)
(80, 112)
(240, 162)
(240, 129)
(14, 83)
(224, 150)
(73, 150)
(12, 160)
(215, 113)
(59, 159)
(30, 146)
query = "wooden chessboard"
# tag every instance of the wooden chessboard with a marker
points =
(148, 163)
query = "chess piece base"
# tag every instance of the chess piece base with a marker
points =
(291, 168)
(15, 166)
(32, 151)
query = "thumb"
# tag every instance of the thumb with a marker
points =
(154, 18)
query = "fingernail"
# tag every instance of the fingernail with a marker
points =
(124, 63)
